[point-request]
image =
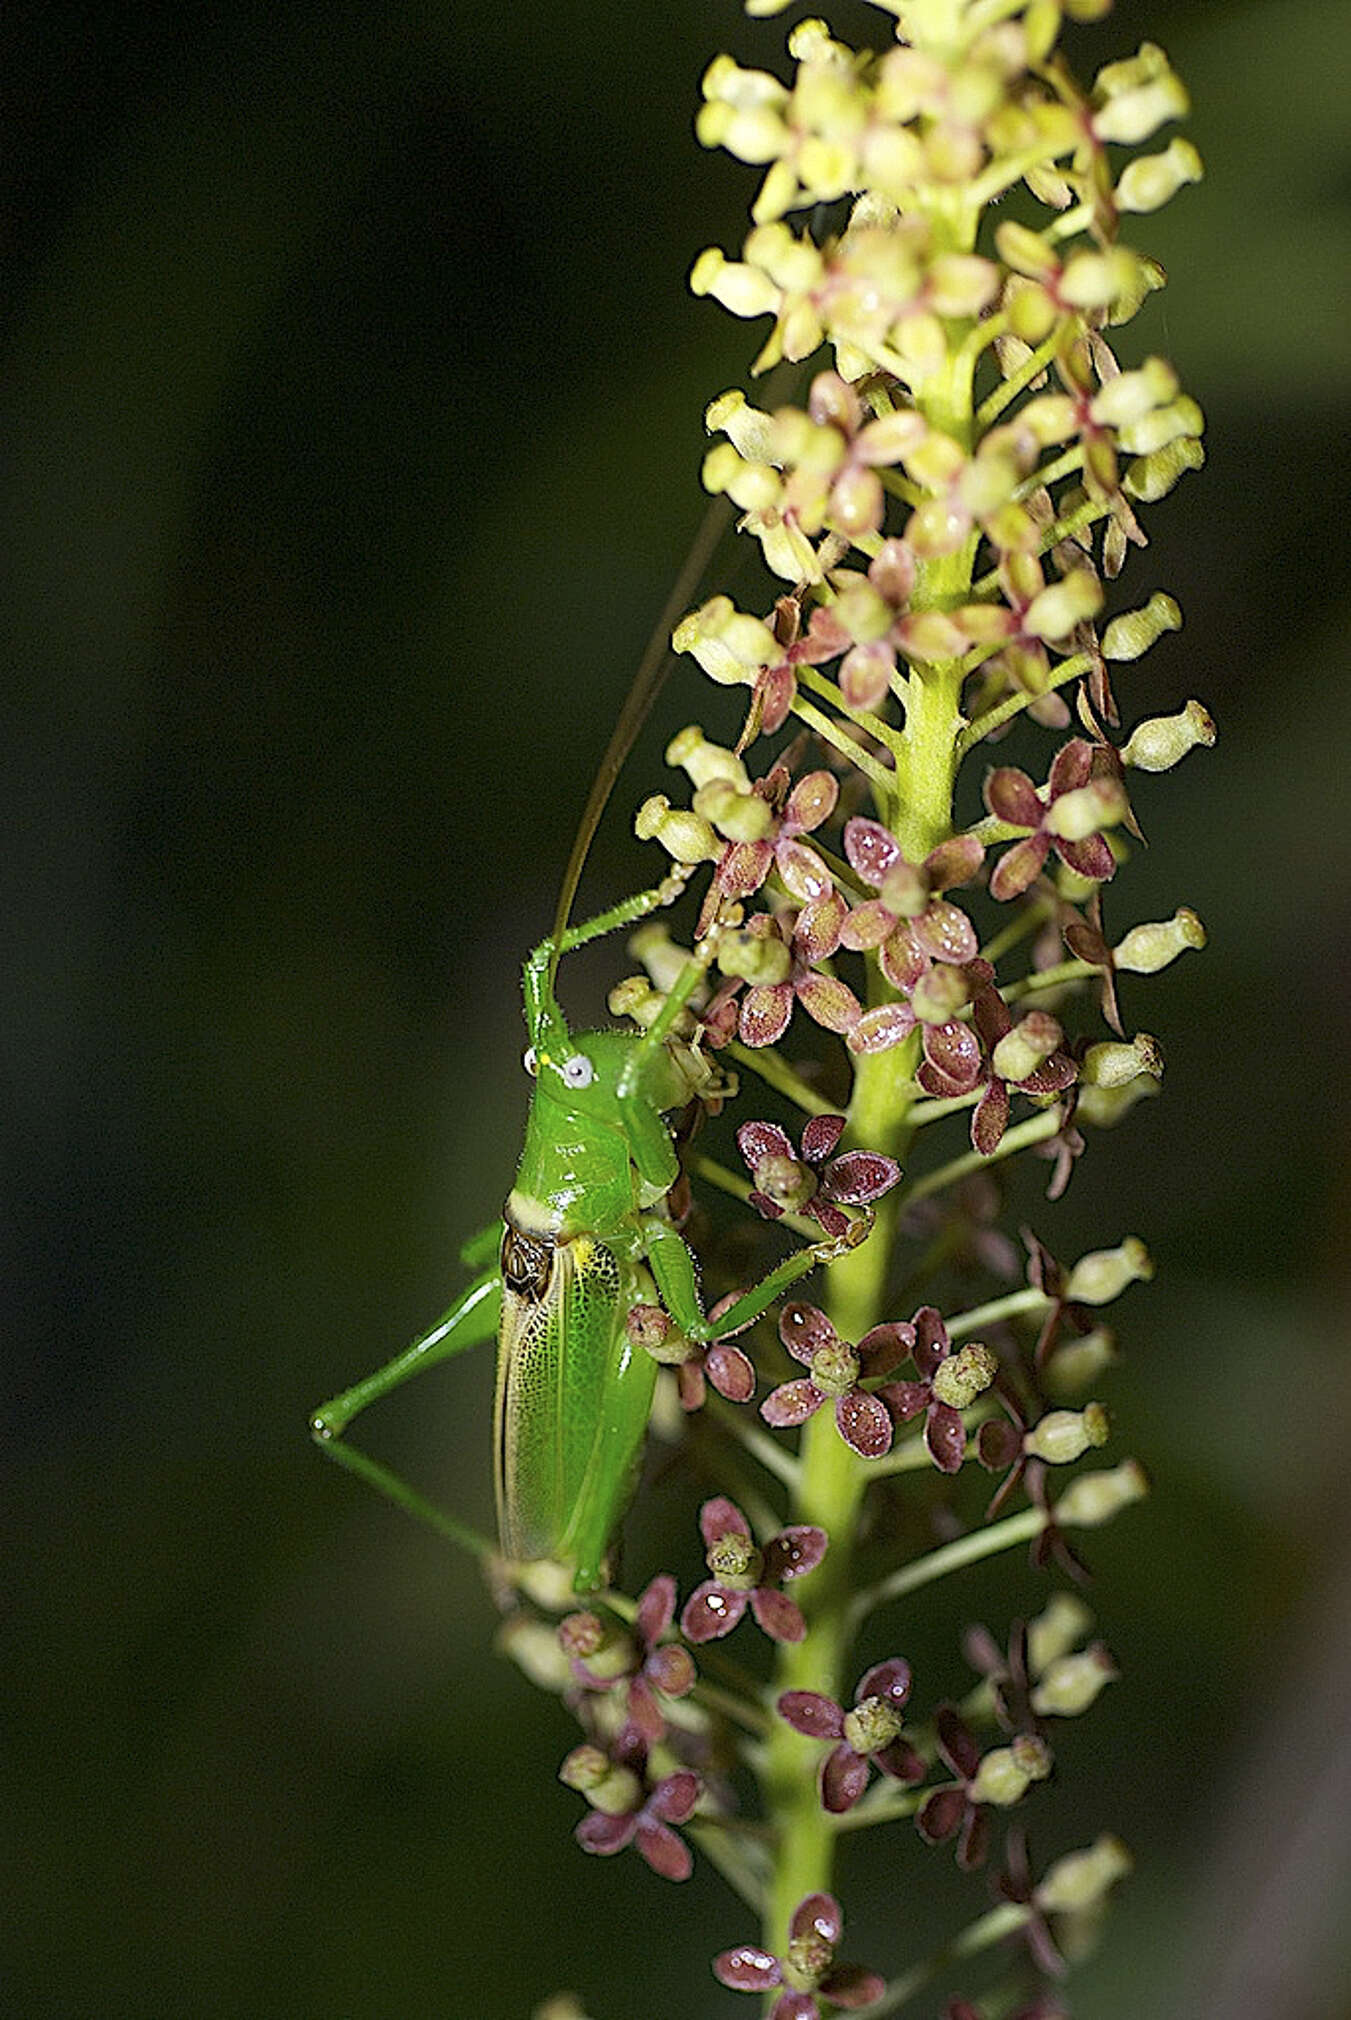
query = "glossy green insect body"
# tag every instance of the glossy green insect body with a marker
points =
(583, 1239)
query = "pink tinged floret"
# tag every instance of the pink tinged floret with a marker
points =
(1011, 796)
(715, 1607)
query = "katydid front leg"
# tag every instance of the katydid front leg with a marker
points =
(673, 1267)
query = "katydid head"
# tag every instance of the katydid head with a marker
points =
(581, 1074)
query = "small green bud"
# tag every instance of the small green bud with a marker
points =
(755, 487)
(862, 611)
(1132, 634)
(1132, 116)
(735, 1562)
(744, 290)
(705, 761)
(1149, 182)
(1062, 605)
(958, 1380)
(1005, 1775)
(1147, 948)
(871, 1725)
(905, 890)
(613, 1790)
(789, 1183)
(1152, 477)
(533, 1646)
(808, 1958)
(1180, 418)
(1062, 1436)
(1062, 1622)
(835, 1368)
(1087, 810)
(740, 816)
(685, 837)
(1164, 740)
(1077, 1363)
(1029, 1045)
(940, 994)
(1130, 395)
(729, 644)
(754, 957)
(1081, 1879)
(1094, 1498)
(1104, 1273)
(548, 1583)
(1115, 1065)
(1071, 1683)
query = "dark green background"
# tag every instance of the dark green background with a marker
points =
(351, 425)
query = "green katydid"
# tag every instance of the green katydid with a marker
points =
(583, 1240)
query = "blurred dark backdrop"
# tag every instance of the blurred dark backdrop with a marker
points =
(350, 406)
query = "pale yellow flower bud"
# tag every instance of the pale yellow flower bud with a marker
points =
(1077, 1363)
(1087, 810)
(1147, 948)
(1148, 183)
(963, 1376)
(1063, 1621)
(1081, 1879)
(1095, 1498)
(1005, 1775)
(1164, 740)
(685, 837)
(1072, 1683)
(740, 816)
(1114, 1064)
(1132, 394)
(1062, 1436)
(1134, 631)
(1061, 605)
(1152, 477)
(1104, 1273)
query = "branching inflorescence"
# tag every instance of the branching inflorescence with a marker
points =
(936, 239)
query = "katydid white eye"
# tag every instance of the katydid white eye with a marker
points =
(578, 1071)
(529, 1061)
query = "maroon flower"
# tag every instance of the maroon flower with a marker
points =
(961, 1808)
(743, 866)
(837, 1374)
(812, 1180)
(808, 1971)
(626, 1810)
(949, 1381)
(809, 936)
(1080, 801)
(642, 1660)
(716, 1361)
(1029, 1056)
(870, 1732)
(909, 921)
(743, 1574)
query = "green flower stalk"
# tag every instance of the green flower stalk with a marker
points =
(919, 955)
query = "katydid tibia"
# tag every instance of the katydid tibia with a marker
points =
(583, 1238)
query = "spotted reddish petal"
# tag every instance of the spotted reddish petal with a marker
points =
(743, 868)
(906, 1399)
(863, 1423)
(956, 1744)
(955, 861)
(953, 1051)
(812, 800)
(747, 1969)
(1018, 868)
(1071, 767)
(878, 1029)
(829, 1002)
(858, 1176)
(820, 1137)
(940, 1818)
(931, 1339)
(885, 1347)
(816, 936)
(759, 1140)
(765, 1011)
(945, 1436)
(902, 958)
(870, 848)
(779, 1616)
(656, 1609)
(791, 1403)
(812, 1713)
(778, 690)
(605, 1835)
(664, 1851)
(710, 1612)
(990, 1119)
(794, 1552)
(720, 1517)
(817, 1915)
(945, 932)
(730, 1372)
(867, 926)
(901, 1762)
(673, 1799)
(844, 1776)
(805, 1329)
(795, 2006)
(1089, 858)
(889, 1679)
(802, 871)
(1011, 796)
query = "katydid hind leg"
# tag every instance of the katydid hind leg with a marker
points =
(470, 1320)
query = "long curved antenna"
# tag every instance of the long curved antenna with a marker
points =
(653, 668)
